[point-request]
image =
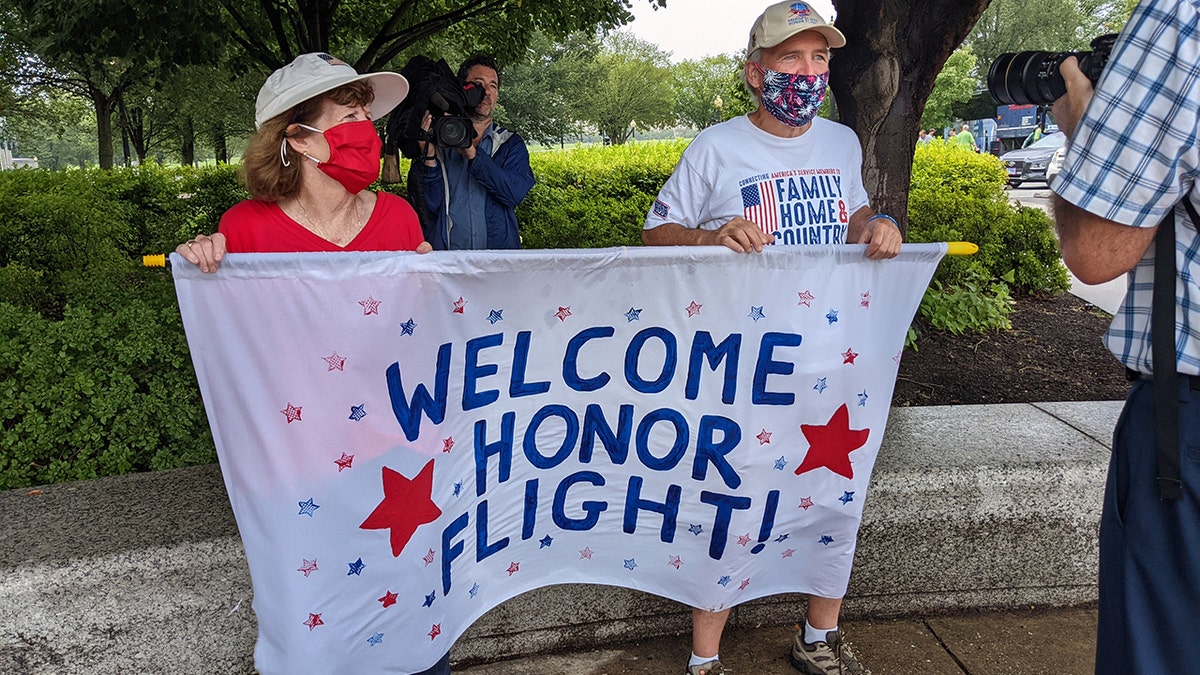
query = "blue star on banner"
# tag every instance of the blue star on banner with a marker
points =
(831, 317)
(408, 327)
(756, 313)
(826, 539)
(545, 541)
(724, 581)
(846, 497)
(356, 567)
(782, 537)
(780, 463)
(633, 315)
(458, 488)
(630, 564)
(495, 315)
(696, 529)
(308, 508)
(375, 639)
(357, 412)
(429, 599)
(474, 589)
(862, 398)
(820, 386)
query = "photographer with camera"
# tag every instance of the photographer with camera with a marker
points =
(1126, 204)
(472, 191)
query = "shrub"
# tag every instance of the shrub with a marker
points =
(97, 393)
(597, 196)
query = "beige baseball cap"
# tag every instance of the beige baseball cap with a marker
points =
(784, 19)
(314, 74)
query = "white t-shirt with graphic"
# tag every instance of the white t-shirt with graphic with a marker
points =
(803, 190)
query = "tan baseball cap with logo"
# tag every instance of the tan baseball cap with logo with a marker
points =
(314, 74)
(784, 19)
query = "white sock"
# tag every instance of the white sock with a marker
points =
(700, 660)
(814, 635)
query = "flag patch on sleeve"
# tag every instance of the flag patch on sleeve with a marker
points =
(661, 209)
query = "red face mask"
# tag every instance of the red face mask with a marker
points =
(354, 151)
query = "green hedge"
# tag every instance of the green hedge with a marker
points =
(95, 377)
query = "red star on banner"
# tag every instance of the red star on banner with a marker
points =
(370, 306)
(389, 599)
(585, 553)
(674, 561)
(806, 298)
(335, 362)
(788, 553)
(308, 567)
(693, 309)
(742, 586)
(459, 305)
(764, 437)
(514, 568)
(314, 620)
(866, 300)
(435, 631)
(743, 539)
(806, 502)
(563, 313)
(447, 444)
(406, 506)
(344, 462)
(428, 558)
(292, 413)
(848, 356)
(830, 444)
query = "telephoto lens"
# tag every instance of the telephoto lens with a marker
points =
(1033, 78)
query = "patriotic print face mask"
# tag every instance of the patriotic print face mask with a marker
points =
(792, 99)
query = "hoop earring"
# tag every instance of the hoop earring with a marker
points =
(283, 152)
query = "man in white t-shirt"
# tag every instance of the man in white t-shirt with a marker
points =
(779, 175)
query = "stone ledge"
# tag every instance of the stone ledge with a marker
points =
(970, 507)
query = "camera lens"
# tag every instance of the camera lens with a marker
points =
(1027, 78)
(452, 132)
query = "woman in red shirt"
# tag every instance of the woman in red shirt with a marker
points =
(308, 167)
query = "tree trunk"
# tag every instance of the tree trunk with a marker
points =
(102, 105)
(187, 153)
(220, 146)
(883, 76)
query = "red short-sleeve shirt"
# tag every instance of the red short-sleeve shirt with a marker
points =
(255, 226)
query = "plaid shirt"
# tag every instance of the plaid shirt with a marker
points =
(1136, 154)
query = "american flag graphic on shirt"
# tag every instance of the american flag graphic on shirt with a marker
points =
(760, 207)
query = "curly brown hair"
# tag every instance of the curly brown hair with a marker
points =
(264, 173)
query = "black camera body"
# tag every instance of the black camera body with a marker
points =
(433, 88)
(1033, 78)
(452, 126)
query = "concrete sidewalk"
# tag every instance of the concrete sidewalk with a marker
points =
(1030, 641)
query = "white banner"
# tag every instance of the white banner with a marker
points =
(410, 440)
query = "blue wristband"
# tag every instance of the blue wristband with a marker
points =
(885, 216)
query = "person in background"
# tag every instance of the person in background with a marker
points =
(472, 193)
(308, 167)
(704, 202)
(965, 139)
(1126, 204)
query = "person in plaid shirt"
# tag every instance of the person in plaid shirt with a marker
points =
(1133, 158)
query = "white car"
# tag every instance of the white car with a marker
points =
(1055, 164)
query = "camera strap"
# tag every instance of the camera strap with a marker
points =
(1166, 377)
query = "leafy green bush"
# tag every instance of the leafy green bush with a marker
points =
(97, 393)
(597, 196)
(959, 196)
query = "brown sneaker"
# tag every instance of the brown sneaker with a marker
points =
(831, 657)
(713, 667)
